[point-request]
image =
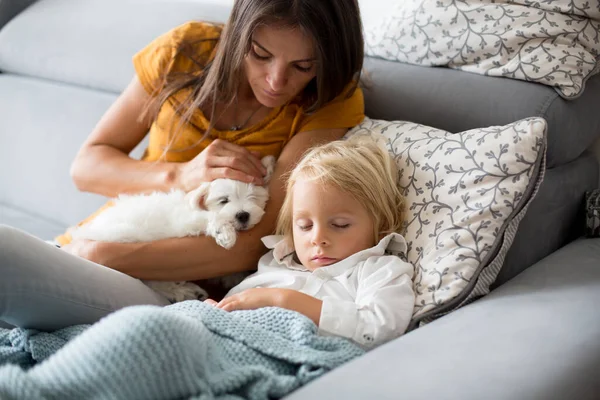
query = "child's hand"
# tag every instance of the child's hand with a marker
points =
(252, 299)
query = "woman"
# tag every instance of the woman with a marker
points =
(279, 78)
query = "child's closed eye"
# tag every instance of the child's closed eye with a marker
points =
(341, 226)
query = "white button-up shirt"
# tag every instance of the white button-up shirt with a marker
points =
(367, 297)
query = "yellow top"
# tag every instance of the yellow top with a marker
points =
(268, 137)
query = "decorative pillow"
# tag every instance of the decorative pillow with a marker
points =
(466, 194)
(553, 42)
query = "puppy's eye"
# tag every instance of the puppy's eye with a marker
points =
(223, 201)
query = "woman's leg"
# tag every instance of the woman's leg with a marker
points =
(43, 287)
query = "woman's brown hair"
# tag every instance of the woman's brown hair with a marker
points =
(334, 25)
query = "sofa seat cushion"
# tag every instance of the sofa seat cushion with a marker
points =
(43, 125)
(63, 40)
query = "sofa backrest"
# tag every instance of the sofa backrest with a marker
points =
(90, 43)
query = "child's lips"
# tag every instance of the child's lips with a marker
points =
(322, 260)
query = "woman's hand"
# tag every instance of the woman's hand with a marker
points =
(221, 159)
(82, 248)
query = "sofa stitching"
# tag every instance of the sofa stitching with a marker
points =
(551, 98)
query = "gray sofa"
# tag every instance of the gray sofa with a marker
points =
(536, 336)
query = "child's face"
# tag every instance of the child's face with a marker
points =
(328, 225)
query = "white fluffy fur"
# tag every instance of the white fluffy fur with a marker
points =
(219, 209)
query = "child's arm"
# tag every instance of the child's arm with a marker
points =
(294, 300)
(381, 311)
(382, 308)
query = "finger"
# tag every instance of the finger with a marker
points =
(253, 156)
(228, 173)
(71, 248)
(235, 161)
(258, 161)
(232, 306)
(211, 302)
(224, 302)
(232, 159)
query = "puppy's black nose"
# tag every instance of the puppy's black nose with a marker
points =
(242, 216)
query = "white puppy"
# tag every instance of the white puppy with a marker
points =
(219, 209)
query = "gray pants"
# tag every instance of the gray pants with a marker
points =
(43, 287)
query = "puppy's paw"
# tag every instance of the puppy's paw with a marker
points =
(226, 236)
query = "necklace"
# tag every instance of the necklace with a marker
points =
(237, 127)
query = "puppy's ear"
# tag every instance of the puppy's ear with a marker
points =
(196, 197)
(269, 163)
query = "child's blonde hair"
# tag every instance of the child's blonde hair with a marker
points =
(358, 167)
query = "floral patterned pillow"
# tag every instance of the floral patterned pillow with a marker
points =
(466, 194)
(553, 42)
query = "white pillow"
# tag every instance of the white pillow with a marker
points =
(465, 194)
(555, 43)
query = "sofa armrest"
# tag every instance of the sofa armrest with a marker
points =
(535, 337)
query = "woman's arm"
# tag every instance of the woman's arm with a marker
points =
(103, 165)
(195, 258)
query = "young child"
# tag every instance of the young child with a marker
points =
(331, 258)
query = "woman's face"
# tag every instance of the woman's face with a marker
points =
(281, 62)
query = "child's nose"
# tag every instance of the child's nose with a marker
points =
(319, 237)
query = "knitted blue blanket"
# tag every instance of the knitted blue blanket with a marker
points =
(186, 350)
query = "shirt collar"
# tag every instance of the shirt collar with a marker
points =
(284, 253)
